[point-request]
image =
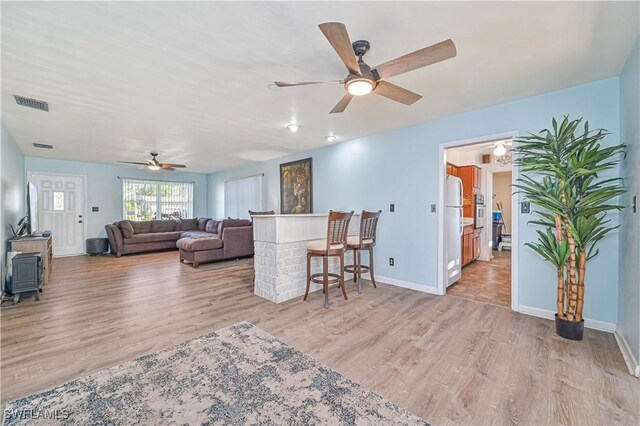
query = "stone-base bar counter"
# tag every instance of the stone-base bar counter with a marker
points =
(280, 259)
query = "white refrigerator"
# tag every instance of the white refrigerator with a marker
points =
(453, 228)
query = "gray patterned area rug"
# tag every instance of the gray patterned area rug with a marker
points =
(237, 375)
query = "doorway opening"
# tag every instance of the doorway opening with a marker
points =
(479, 221)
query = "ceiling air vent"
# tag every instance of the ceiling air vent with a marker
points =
(32, 103)
(43, 146)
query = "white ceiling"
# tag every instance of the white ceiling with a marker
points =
(189, 80)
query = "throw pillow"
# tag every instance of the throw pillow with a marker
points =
(188, 224)
(142, 227)
(126, 229)
(212, 226)
(202, 223)
(163, 225)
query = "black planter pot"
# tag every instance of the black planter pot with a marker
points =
(569, 329)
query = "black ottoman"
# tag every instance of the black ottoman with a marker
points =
(97, 246)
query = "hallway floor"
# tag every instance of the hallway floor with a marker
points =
(486, 281)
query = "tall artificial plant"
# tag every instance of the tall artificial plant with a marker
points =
(561, 172)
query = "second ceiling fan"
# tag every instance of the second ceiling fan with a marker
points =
(362, 79)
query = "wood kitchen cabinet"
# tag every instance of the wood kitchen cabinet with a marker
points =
(470, 244)
(452, 169)
(471, 177)
(477, 178)
(476, 244)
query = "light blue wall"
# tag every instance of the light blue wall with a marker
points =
(401, 167)
(12, 190)
(629, 266)
(104, 189)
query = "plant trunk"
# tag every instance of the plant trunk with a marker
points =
(560, 294)
(561, 287)
(583, 270)
(558, 228)
(572, 278)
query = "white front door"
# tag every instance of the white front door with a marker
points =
(61, 209)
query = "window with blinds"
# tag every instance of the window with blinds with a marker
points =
(242, 195)
(149, 199)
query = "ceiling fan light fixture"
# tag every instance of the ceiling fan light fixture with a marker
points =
(359, 86)
(500, 150)
(152, 167)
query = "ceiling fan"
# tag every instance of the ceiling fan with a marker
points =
(154, 164)
(362, 79)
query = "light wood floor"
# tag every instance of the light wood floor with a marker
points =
(447, 359)
(486, 281)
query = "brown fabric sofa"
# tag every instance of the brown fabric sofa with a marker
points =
(233, 238)
(220, 239)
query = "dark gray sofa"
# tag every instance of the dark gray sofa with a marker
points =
(200, 240)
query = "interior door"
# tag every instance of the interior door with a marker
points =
(61, 209)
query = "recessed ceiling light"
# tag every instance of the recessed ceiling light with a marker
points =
(331, 138)
(293, 127)
(500, 150)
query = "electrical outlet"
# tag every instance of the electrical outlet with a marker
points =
(94, 209)
(433, 208)
(525, 207)
(392, 208)
(392, 261)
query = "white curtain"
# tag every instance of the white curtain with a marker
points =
(242, 195)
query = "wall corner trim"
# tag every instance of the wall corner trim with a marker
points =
(407, 284)
(627, 354)
(588, 323)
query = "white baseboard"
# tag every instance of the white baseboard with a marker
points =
(588, 323)
(407, 284)
(629, 359)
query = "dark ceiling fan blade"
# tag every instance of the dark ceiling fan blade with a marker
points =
(418, 59)
(342, 105)
(170, 165)
(337, 35)
(302, 83)
(134, 162)
(396, 93)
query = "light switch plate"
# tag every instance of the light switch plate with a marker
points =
(392, 208)
(94, 209)
(433, 208)
(525, 207)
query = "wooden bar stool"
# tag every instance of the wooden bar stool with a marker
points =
(365, 241)
(334, 245)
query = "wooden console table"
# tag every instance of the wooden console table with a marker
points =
(40, 245)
